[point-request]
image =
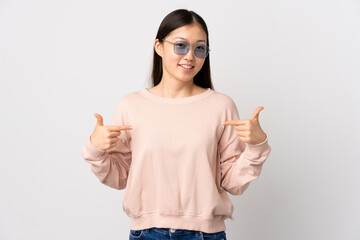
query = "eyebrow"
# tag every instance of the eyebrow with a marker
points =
(186, 39)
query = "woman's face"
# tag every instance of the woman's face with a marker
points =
(172, 69)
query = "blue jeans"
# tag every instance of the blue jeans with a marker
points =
(172, 234)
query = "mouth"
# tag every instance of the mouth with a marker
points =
(186, 66)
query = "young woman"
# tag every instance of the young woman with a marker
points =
(178, 147)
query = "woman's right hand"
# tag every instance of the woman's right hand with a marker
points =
(106, 137)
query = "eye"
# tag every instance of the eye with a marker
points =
(180, 45)
(201, 47)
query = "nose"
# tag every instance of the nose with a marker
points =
(190, 55)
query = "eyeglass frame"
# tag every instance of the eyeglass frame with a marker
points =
(195, 44)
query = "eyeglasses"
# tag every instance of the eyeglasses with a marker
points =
(182, 48)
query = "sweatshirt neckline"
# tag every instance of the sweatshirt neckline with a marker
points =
(176, 101)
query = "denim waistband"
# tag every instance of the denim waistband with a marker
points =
(171, 231)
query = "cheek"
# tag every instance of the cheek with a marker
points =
(200, 65)
(171, 60)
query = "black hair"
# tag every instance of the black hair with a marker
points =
(172, 21)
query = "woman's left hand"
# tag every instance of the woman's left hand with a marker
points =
(249, 130)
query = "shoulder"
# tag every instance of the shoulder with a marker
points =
(128, 98)
(223, 100)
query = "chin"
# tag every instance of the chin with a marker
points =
(187, 79)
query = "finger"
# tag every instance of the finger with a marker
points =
(255, 115)
(234, 122)
(243, 139)
(117, 128)
(241, 128)
(113, 145)
(241, 134)
(114, 140)
(114, 134)
(99, 119)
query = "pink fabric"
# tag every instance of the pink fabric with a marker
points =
(178, 162)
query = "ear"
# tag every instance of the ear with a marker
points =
(158, 47)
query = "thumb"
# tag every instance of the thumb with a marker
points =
(99, 119)
(255, 115)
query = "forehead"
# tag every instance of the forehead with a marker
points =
(192, 33)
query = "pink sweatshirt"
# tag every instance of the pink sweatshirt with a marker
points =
(179, 161)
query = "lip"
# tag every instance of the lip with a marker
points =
(186, 69)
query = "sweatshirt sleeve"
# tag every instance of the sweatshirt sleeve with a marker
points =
(240, 163)
(112, 166)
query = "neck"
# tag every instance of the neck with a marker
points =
(175, 89)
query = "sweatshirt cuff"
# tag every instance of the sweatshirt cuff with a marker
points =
(256, 150)
(92, 150)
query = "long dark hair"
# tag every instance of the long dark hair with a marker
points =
(172, 21)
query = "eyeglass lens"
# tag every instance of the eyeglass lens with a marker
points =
(182, 48)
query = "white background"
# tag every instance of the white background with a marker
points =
(62, 61)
